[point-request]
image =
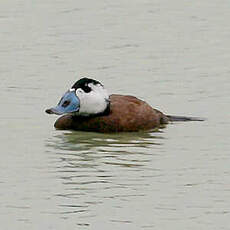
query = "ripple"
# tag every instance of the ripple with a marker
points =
(94, 167)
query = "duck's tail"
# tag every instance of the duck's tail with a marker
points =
(182, 118)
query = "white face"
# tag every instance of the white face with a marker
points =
(93, 102)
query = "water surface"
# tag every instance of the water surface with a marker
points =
(173, 54)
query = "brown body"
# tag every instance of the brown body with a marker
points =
(127, 113)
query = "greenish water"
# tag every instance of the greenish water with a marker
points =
(173, 54)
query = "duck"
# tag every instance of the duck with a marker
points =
(87, 106)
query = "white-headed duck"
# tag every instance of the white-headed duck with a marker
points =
(88, 107)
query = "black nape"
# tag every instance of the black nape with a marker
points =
(83, 84)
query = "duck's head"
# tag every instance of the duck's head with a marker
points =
(86, 97)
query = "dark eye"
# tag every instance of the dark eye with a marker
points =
(65, 104)
(86, 88)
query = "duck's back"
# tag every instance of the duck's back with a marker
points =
(127, 113)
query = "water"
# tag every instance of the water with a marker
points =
(173, 54)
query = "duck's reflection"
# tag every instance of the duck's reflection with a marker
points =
(83, 149)
(94, 167)
(86, 141)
